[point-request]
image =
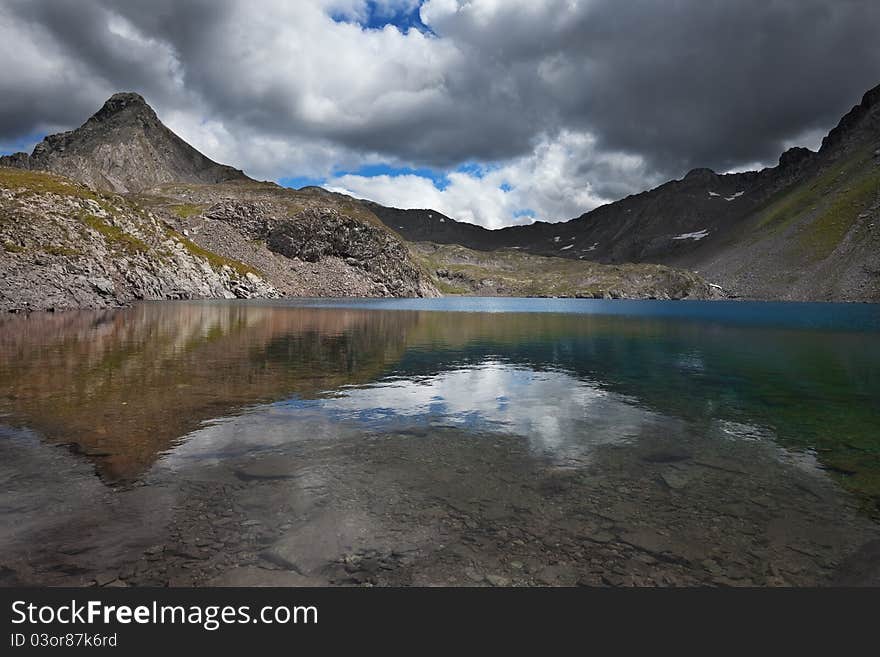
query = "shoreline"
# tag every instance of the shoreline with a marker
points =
(31, 311)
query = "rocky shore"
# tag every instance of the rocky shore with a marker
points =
(437, 508)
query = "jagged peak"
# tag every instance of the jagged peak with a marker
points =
(794, 156)
(120, 102)
(869, 107)
(124, 147)
(701, 173)
(125, 98)
(871, 97)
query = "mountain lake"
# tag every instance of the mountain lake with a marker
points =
(453, 441)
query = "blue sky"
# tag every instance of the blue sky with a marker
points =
(439, 178)
(24, 143)
(378, 16)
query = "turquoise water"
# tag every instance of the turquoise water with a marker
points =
(843, 316)
(571, 374)
(567, 375)
(534, 440)
(564, 372)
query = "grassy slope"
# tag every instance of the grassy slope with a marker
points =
(814, 240)
(835, 199)
(513, 273)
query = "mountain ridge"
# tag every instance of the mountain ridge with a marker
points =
(123, 147)
(802, 230)
(705, 218)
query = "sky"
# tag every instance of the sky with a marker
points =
(496, 112)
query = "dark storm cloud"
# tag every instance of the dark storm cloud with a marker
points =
(681, 84)
(722, 83)
(701, 83)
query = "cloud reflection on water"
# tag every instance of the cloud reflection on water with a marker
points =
(561, 416)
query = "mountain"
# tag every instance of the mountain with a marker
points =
(123, 147)
(122, 209)
(805, 229)
(63, 245)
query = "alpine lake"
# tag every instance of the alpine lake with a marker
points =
(454, 441)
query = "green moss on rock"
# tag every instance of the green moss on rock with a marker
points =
(114, 235)
(216, 261)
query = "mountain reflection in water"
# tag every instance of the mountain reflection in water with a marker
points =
(126, 387)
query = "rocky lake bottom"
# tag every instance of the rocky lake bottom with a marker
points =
(536, 443)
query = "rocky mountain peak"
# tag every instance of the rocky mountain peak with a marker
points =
(861, 121)
(795, 156)
(120, 102)
(123, 147)
(871, 98)
(701, 175)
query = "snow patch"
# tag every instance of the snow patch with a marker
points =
(567, 247)
(714, 194)
(734, 197)
(700, 234)
(556, 238)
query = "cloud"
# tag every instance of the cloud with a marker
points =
(626, 94)
(546, 184)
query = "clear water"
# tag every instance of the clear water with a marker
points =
(174, 389)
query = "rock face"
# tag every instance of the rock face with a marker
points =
(306, 244)
(64, 246)
(316, 234)
(807, 229)
(373, 256)
(123, 147)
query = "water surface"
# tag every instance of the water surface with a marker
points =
(441, 441)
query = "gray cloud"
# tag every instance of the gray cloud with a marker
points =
(677, 85)
(702, 83)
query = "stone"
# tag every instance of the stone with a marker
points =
(675, 479)
(313, 544)
(497, 580)
(601, 537)
(267, 469)
(102, 285)
(103, 579)
(648, 540)
(711, 566)
(245, 576)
